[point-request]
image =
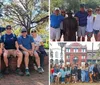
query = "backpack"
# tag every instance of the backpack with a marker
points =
(5, 37)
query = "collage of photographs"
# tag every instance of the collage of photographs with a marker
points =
(49, 42)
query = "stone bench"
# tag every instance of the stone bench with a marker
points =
(13, 63)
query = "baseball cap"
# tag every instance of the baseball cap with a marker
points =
(23, 30)
(8, 27)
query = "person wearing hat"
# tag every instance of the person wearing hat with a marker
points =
(55, 19)
(39, 47)
(81, 17)
(89, 26)
(70, 27)
(26, 44)
(10, 47)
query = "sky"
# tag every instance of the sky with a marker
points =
(88, 44)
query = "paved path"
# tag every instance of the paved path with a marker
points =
(34, 79)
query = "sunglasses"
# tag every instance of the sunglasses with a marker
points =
(97, 10)
(23, 31)
(8, 28)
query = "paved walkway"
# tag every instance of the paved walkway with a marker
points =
(34, 79)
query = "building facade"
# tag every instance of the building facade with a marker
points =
(56, 57)
(75, 53)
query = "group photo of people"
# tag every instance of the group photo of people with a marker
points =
(74, 73)
(27, 45)
(82, 25)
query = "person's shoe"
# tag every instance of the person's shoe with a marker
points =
(35, 67)
(27, 72)
(40, 70)
(7, 71)
(19, 72)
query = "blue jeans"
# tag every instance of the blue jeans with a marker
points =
(51, 78)
(83, 76)
(62, 79)
(86, 76)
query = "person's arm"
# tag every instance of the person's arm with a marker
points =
(33, 46)
(32, 43)
(24, 49)
(20, 44)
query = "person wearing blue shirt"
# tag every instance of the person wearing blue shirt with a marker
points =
(56, 18)
(81, 17)
(26, 44)
(10, 47)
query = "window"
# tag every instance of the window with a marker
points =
(83, 50)
(83, 57)
(68, 50)
(56, 54)
(68, 57)
(75, 49)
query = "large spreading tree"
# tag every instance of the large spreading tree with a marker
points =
(26, 13)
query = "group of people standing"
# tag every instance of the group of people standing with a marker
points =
(75, 27)
(74, 73)
(23, 46)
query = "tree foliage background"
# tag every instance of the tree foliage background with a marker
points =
(26, 13)
(73, 4)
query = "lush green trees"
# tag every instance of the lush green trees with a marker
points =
(73, 4)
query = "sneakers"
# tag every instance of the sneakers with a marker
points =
(40, 70)
(7, 70)
(19, 72)
(27, 72)
(35, 67)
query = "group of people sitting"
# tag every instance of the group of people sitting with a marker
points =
(23, 46)
(75, 26)
(74, 73)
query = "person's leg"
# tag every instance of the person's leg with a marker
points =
(79, 34)
(52, 34)
(0, 68)
(37, 58)
(57, 32)
(83, 32)
(26, 60)
(5, 57)
(19, 61)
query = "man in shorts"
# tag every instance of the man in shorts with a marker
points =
(81, 17)
(56, 18)
(10, 47)
(26, 44)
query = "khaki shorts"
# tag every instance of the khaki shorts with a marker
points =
(12, 52)
(24, 52)
(54, 33)
(81, 31)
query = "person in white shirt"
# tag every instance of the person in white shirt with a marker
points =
(39, 47)
(89, 27)
(96, 26)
